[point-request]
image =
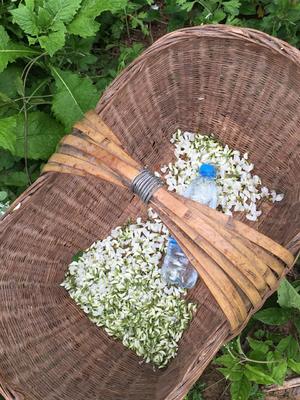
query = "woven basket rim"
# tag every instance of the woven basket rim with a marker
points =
(248, 35)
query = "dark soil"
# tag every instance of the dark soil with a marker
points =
(216, 387)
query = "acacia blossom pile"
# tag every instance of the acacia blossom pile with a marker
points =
(238, 188)
(117, 281)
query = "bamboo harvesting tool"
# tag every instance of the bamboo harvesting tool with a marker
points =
(239, 265)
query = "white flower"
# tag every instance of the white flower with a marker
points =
(251, 217)
(273, 195)
(279, 197)
(115, 233)
(239, 207)
(264, 191)
(3, 208)
(155, 7)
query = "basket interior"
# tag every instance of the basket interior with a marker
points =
(244, 94)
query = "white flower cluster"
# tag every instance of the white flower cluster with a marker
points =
(4, 203)
(117, 282)
(3, 208)
(238, 188)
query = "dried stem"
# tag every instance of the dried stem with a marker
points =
(291, 383)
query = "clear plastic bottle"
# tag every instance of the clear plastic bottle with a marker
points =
(176, 268)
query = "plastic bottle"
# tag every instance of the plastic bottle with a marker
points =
(176, 268)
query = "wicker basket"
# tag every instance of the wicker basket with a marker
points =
(239, 84)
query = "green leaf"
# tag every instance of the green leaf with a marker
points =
(297, 324)
(15, 178)
(7, 160)
(294, 366)
(48, 24)
(274, 355)
(43, 19)
(128, 54)
(62, 10)
(240, 390)
(289, 346)
(232, 373)
(7, 133)
(80, 54)
(283, 344)
(273, 316)
(288, 296)
(296, 285)
(186, 6)
(10, 51)
(73, 96)
(293, 350)
(248, 7)
(25, 17)
(232, 7)
(226, 360)
(54, 41)
(257, 375)
(256, 355)
(258, 345)
(279, 371)
(3, 195)
(274, 337)
(259, 334)
(8, 81)
(43, 135)
(256, 393)
(52, 13)
(84, 23)
(196, 392)
(218, 16)
(4, 98)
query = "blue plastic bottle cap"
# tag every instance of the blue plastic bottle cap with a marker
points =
(172, 240)
(208, 170)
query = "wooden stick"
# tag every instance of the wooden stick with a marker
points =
(253, 270)
(99, 150)
(83, 167)
(96, 128)
(97, 155)
(249, 233)
(216, 280)
(236, 275)
(239, 243)
(250, 249)
(291, 383)
(274, 263)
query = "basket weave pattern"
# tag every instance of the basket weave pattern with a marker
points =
(241, 85)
